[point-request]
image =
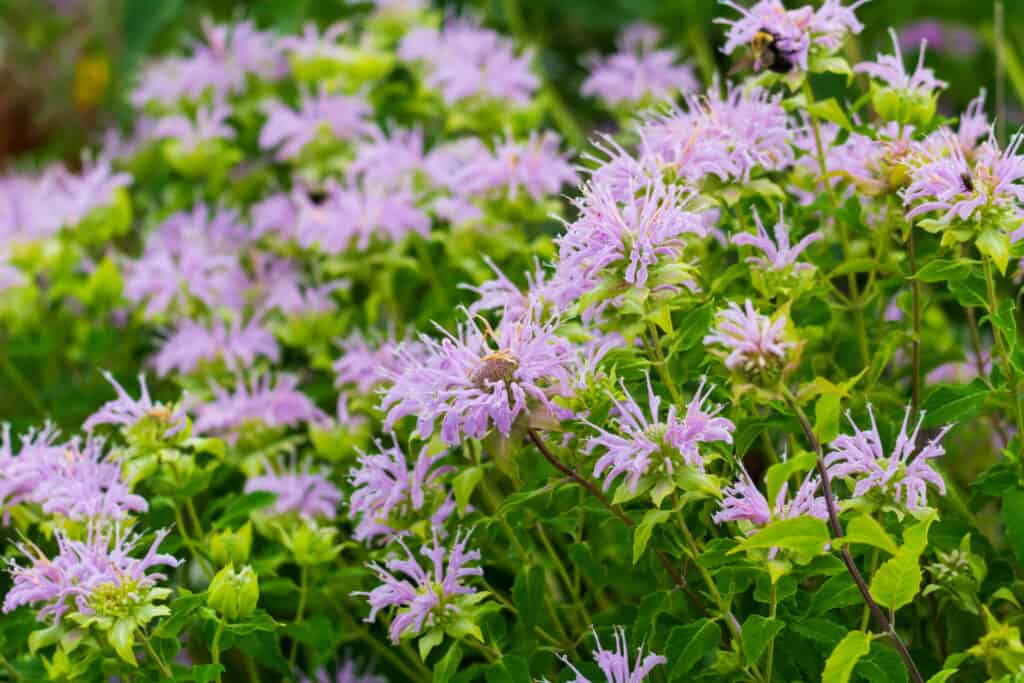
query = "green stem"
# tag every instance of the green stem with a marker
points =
(418, 672)
(915, 285)
(662, 363)
(564, 574)
(215, 645)
(161, 664)
(197, 555)
(856, 303)
(250, 668)
(1011, 376)
(12, 673)
(773, 602)
(486, 650)
(23, 385)
(300, 611)
(865, 616)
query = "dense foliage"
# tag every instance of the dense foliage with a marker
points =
(408, 386)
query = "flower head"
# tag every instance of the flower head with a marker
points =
(424, 597)
(475, 379)
(126, 411)
(192, 343)
(537, 166)
(210, 123)
(640, 443)
(904, 473)
(288, 130)
(387, 485)
(638, 71)
(615, 664)
(347, 671)
(890, 70)
(264, 400)
(744, 502)
(778, 254)
(753, 343)
(92, 577)
(309, 494)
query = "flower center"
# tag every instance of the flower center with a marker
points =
(499, 366)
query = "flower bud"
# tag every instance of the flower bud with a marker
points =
(311, 544)
(234, 595)
(231, 546)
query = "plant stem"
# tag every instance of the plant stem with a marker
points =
(486, 650)
(24, 387)
(250, 668)
(564, 574)
(191, 544)
(856, 303)
(1011, 376)
(215, 645)
(615, 510)
(915, 286)
(773, 603)
(300, 610)
(662, 363)
(837, 532)
(161, 664)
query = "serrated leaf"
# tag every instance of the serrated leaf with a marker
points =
(642, 532)
(509, 669)
(688, 644)
(953, 404)
(757, 632)
(237, 513)
(995, 244)
(428, 641)
(839, 665)
(448, 666)
(865, 529)
(779, 473)
(464, 484)
(1013, 520)
(882, 665)
(528, 594)
(206, 673)
(837, 592)
(945, 270)
(829, 110)
(805, 536)
(897, 581)
(826, 417)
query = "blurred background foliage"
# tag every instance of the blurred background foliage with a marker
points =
(67, 66)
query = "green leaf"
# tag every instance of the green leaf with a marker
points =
(969, 291)
(805, 536)
(207, 673)
(1004, 320)
(429, 640)
(954, 404)
(643, 531)
(882, 665)
(779, 473)
(865, 529)
(582, 557)
(844, 657)
(448, 666)
(829, 110)
(995, 244)
(826, 417)
(121, 637)
(317, 632)
(238, 511)
(692, 642)
(692, 328)
(528, 594)
(464, 484)
(945, 270)
(897, 581)
(662, 317)
(757, 632)
(838, 591)
(510, 669)
(1013, 519)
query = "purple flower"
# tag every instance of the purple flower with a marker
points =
(890, 70)
(308, 494)
(753, 343)
(537, 166)
(638, 71)
(20, 473)
(615, 664)
(501, 294)
(464, 60)
(96, 576)
(33, 207)
(640, 442)
(391, 160)
(778, 255)
(743, 502)
(192, 343)
(347, 671)
(126, 411)
(955, 39)
(423, 597)
(974, 126)
(264, 400)
(278, 282)
(727, 137)
(943, 181)
(474, 380)
(311, 44)
(386, 488)
(962, 372)
(210, 123)
(904, 474)
(345, 117)
(638, 242)
(793, 33)
(365, 366)
(93, 188)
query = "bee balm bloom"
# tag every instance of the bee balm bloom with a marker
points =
(304, 492)
(744, 502)
(289, 130)
(126, 411)
(752, 343)
(778, 254)
(904, 474)
(615, 663)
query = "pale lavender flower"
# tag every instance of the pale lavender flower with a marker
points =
(347, 671)
(389, 160)
(962, 371)
(728, 136)
(537, 166)
(778, 254)
(192, 343)
(266, 400)
(387, 485)
(640, 442)
(279, 286)
(32, 207)
(615, 664)
(954, 39)
(974, 125)
(21, 473)
(191, 254)
(794, 32)
(890, 70)
(309, 494)
(943, 181)
(449, 166)
(93, 188)
(273, 215)
(126, 411)
(423, 597)
(503, 295)
(210, 123)
(80, 577)
(344, 117)
(10, 276)
(311, 44)
(638, 71)
(473, 380)
(752, 342)
(744, 502)
(904, 473)
(464, 60)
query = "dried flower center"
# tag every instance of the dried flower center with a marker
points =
(499, 366)
(159, 412)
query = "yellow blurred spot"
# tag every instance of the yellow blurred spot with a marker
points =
(92, 76)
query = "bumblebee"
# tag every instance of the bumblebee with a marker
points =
(968, 182)
(765, 50)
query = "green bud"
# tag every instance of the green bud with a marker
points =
(231, 546)
(903, 106)
(233, 594)
(311, 545)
